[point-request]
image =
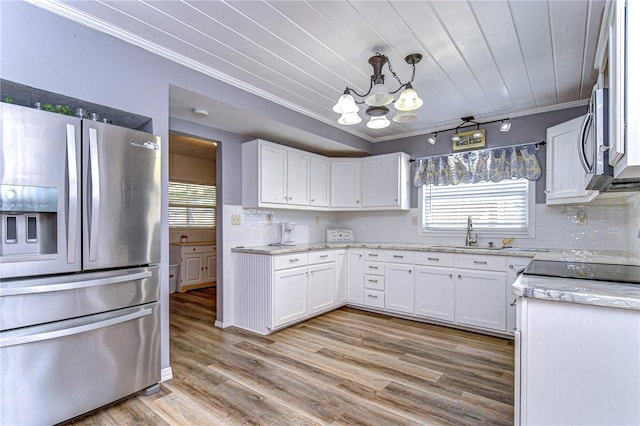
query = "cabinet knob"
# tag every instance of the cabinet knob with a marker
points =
(396, 200)
(357, 201)
(410, 271)
(510, 266)
(313, 199)
(450, 275)
(546, 191)
(459, 276)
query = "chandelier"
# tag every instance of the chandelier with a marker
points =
(378, 97)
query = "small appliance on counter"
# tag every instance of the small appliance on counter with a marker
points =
(285, 233)
(336, 235)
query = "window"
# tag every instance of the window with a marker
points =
(192, 205)
(504, 207)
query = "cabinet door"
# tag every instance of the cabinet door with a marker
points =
(290, 296)
(273, 174)
(565, 174)
(345, 184)
(342, 278)
(297, 178)
(322, 287)
(481, 299)
(210, 267)
(380, 182)
(192, 269)
(399, 288)
(319, 182)
(435, 293)
(356, 276)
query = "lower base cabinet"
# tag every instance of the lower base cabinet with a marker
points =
(576, 364)
(322, 287)
(481, 299)
(290, 300)
(399, 284)
(435, 293)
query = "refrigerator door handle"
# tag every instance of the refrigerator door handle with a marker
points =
(46, 285)
(72, 224)
(21, 340)
(95, 193)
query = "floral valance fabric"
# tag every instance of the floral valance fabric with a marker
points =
(476, 166)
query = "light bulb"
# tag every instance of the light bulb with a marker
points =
(455, 138)
(402, 116)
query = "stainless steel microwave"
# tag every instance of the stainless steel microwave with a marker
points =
(593, 142)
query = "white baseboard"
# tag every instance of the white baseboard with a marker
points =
(222, 324)
(166, 374)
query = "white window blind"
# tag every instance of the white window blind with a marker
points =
(191, 205)
(494, 206)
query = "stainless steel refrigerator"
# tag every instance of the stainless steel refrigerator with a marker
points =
(79, 254)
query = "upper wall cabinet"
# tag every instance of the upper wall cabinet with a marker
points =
(385, 181)
(276, 176)
(374, 183)
(618, 62)
(565, 175)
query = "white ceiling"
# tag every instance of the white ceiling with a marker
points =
(490, 59)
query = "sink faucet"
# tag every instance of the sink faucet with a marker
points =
(470, 241)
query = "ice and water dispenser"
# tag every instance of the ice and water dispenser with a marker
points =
(29, 220)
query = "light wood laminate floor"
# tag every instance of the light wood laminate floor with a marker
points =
(345, 367)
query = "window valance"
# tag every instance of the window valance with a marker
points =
(496, 164)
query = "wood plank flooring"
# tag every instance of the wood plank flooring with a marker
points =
(347, 367)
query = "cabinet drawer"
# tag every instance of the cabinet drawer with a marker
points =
(484, 263)
(209, 248)
(374, 298)
(322, 257)
(399, 256)
(290, 261)
(192, 249)
(435, 258)
(374, 255)
(375, 282)
(374, 268)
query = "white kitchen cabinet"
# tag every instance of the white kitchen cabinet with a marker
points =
(346, 183)
(274, 175)
(565, 175)
(617, 59)
(386, 181)
(319, 174)
(322, 287)
(197, 265)
(290, 295)
(399, 287)
(481, 299)
(297, 186)
(435, 292)
(342, 277)
(576, 364)
(355, 259)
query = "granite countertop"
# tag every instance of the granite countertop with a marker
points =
(586, 292)
(195, 243)
(300, 248)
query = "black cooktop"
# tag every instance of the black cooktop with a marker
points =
(586, 271)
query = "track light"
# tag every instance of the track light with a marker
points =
(432, 139)
(477, 134)
(505, 126)
(378, 96)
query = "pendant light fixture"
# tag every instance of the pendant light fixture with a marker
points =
(378, 96)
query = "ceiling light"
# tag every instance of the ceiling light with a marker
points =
(403, 116)
(378, 95)
(432, 139)
(408, 100)
(346, 105)
(349, 118)
(505, 126)
(477, 134)
(455, 138)
(200, 112)
(378, 122)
